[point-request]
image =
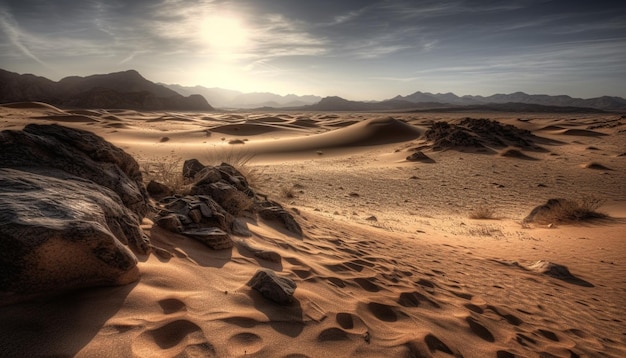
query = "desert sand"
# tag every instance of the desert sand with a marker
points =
(390, 263)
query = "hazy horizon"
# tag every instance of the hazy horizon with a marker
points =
(359, 50)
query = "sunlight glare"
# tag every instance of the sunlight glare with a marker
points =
(224, 33)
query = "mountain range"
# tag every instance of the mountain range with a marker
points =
(128, 89)
(225, 98)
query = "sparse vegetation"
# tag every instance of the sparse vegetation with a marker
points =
(288, 192)
(167, 171)
(239, 159)
(567, 211)
(482, 212)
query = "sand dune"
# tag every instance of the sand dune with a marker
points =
(390, 264)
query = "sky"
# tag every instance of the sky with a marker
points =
(356, 49)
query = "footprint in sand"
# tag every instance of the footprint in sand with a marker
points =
(245, 343)
(414, 299)
(383, 312)
(333, 334)
(177, 336)
(367, 284)
(480, 330)
(172, 305)
(427, 346)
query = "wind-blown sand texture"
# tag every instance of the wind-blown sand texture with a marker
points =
(389, 264)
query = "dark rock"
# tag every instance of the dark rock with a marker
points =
(155, 188)
(77, 152)
(212, 215)
(274, 211)
(213, 237)
(273, 287)
(419, 157)
(191, 168)
(62, 232)
(69, 203)
(232, 200)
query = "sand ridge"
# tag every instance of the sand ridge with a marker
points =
(389, 265)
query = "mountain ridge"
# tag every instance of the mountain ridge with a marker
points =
(125, 89)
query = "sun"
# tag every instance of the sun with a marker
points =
(224, 33)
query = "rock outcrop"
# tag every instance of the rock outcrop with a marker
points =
(273, 287)
(478, 133)
(218, 195)
(70, 209)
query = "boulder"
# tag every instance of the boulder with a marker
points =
(272, 211)
(273, 287)
(70, 202)
(419, 156)
(79, 153)
(191, 167)
(62, 232)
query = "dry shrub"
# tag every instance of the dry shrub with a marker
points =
(483, 212)
(165, 170)
(571, 211)
(288, 192)
(239, 159)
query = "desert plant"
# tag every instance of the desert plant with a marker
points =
(567, 210)
(482, 212)
(165, 170)
(239, 159)
(288, 192)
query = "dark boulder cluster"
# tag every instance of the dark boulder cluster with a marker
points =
(477, 133)
(209, 211)
(71, 205)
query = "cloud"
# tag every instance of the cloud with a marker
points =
(16, 36)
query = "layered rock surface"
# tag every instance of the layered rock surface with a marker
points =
(70, 204)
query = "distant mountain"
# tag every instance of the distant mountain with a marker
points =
(603, 103)
(126, 89)
(401, 105)
(335, 103)
(224, 98)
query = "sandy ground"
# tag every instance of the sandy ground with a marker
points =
(390, 263)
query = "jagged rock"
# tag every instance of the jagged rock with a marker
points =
(273, 211)
(69, 203)
(478, 133)
(212, 237)
(62, 233)
(232, 200)
(192, 167)
(419, 156)
(155, 188)
(208, 175)
(79, 153)
(273, 287)
(196, 216)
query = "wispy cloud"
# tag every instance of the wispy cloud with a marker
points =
(16, 36)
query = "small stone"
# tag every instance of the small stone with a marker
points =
(273, 287)
(191, 167)
(211, 236)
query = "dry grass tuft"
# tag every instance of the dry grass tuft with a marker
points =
(288, 192)
(568, 211)
(167, 171)
(239, 159)
(482, 212)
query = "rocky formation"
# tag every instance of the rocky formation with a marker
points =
(273, 287)
(126, 89)
(70, 202)
(216, 197)
(419, 156)
(478, 133)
